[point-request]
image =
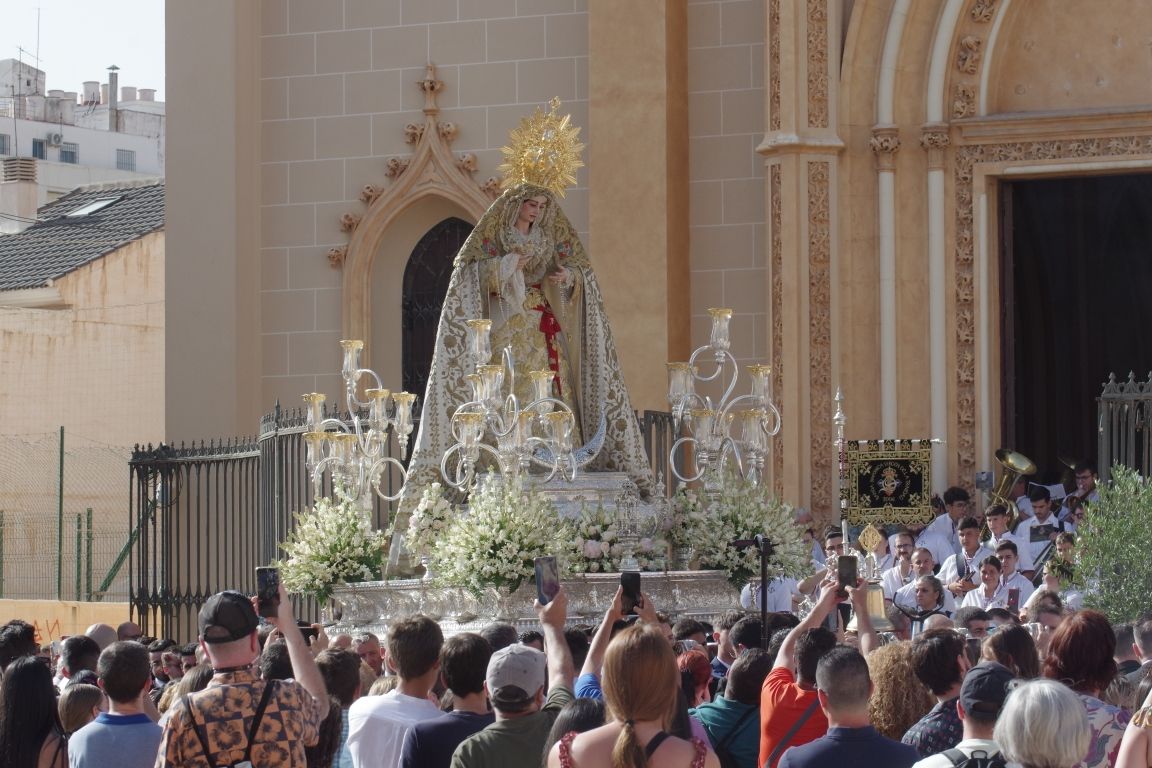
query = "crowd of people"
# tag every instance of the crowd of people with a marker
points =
(1032, 682)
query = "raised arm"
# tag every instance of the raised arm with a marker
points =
(824, 606)
(303, 663)
(552, 618)
(869, 640)
(595, 658)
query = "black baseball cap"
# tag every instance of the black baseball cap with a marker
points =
(227, 616)
(985, 688)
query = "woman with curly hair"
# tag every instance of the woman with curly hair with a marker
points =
(899, 699)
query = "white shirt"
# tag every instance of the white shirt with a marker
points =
(943, 527)
(377, 726)
(1023, 548)
(941, 546)
(1036, 548)
(906, 597)
(953, 566)
(780, 592)
(1026, 587)
(967, 746)
(891, 581)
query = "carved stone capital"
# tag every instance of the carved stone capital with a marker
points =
(935, 140)
(448, 131)
(337, 255)
(885, 142)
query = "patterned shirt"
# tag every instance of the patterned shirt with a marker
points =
(224, 712)
(937, 731)
(1107, 723)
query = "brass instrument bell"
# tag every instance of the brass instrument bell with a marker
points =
(1014, 466)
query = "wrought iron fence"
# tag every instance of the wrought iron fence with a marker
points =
(1123, 429)
(204, 516)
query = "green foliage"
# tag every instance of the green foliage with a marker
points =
(1114, 543)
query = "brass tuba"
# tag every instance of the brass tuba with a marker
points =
(1014, 466)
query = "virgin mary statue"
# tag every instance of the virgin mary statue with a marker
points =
(525, 269)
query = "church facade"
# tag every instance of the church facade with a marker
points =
(835, 171)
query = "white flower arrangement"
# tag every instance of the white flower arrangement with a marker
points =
(497, 541)
(688, 510)
(428, 522)
(597, 545)
(333, 543)
(741, 510)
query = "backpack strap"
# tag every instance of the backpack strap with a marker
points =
(957, 756)
(723, 743)
(783, 744)
(197, 728)
(251, 731)
(268, 686)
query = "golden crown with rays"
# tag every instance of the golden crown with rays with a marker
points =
(543, 151)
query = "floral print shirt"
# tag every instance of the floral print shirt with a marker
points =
(1107, 723)
(224, 712)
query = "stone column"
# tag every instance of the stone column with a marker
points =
(934, 139)
(800, 148)
(638, 185)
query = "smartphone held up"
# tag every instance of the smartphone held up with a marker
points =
(630, 583)
(268, 591)
(547, 579)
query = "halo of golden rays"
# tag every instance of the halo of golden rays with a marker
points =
(543, 151)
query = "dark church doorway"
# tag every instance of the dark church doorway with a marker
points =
(1076, 282)
(425, 284)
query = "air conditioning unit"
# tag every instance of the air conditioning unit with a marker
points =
(55, 139)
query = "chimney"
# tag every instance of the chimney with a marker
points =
(91, 93)
(18, 194)
(103, 93)
(55, 94)
(147, 94)
(127, 93)
(113, 85)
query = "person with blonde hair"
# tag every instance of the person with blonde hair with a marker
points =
(79, 704)
(899, 699)
(1043, 725)
(639, 683)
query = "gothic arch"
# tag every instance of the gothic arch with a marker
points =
(433, 175)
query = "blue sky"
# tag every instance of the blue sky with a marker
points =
(80, 39)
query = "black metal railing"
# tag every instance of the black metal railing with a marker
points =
(1124, 435)
(204, 516)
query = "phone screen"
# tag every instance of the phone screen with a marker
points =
(1014, 599)
(846, 566)
(630, 581)
(268, 591)
(547, 579)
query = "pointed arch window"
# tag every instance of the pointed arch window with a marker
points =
(425, 284)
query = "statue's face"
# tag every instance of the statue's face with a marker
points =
(531, 209)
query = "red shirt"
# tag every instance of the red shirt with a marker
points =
(782, 703)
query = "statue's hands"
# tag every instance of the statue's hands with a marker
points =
(522, 261)
(560, 276)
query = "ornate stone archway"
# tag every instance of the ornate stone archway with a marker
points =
(432, 171)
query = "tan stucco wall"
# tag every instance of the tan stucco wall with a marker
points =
(55, 619)
(213, 219)
(97, 365)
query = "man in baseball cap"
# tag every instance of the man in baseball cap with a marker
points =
(197, 723)
(982, 696)
(515, 683)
